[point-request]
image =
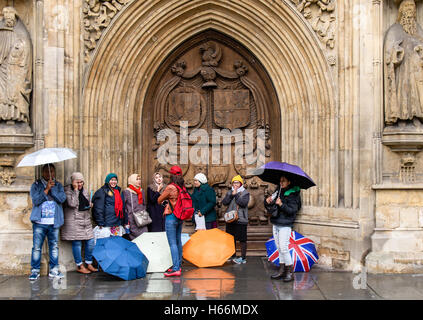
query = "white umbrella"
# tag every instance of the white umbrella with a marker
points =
(46, 155)
(155, 247)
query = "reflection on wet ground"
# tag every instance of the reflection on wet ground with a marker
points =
(250, 281)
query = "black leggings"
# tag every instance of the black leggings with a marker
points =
(243, 249)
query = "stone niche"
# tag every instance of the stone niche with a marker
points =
(397, 238)
(15, 92)
(16, 137)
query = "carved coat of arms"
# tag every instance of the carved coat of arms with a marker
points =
(231, 108)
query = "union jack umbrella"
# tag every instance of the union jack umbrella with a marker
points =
(302, 250)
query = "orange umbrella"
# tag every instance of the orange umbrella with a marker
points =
(209, 248)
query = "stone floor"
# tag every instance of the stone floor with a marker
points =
(230, 282)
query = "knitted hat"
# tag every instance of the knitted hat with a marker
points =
(77, 176)
(175, 170)
(237, 178)
(201, 177)
(110, 176)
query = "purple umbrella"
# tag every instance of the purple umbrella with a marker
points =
(273, 170)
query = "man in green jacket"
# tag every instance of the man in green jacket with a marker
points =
(204, 200)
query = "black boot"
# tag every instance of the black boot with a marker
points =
(280, 273)
(288, 274)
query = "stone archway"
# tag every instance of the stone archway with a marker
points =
(144, 34)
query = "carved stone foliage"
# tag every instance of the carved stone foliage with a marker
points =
(210, 89)
(321, 16)
(97, 15)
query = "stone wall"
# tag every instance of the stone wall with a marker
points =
(92, 67)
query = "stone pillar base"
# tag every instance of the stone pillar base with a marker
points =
(394, 262)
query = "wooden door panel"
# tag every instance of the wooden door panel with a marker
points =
(212, 83)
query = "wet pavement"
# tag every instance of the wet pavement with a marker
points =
(230, 282)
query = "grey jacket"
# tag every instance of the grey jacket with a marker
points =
(131, 203)
(78, 225)
(241, 200)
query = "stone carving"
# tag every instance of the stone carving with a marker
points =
(231, 108)
(185, 104)
(321, 16)
(407, 169)
(7, 177)
(97, 15)
(207, 95)
(403, 70)
(403, 89)
(15, 68)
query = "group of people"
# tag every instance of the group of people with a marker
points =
(71, 209)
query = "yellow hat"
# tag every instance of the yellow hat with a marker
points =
(237, 178)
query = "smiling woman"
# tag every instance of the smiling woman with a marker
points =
(108, 206)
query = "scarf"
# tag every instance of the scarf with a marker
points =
(240, 189)
(118, 204)
(138, 191)
(84, 204)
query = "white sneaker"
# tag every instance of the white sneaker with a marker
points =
(240, 260)
(55, 273)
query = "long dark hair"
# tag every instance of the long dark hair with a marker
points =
(177, 179)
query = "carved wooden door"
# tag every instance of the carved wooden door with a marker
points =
(209, 84)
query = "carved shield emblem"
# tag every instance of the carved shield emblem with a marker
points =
(231, 108)
(184, 105)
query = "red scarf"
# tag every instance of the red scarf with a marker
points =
(118, 204)
(138, 191)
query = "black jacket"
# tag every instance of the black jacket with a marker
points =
(291, 203)
(104, 208)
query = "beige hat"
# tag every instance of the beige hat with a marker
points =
(77, 176)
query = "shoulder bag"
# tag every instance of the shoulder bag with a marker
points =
(142, 218)
(231, 216)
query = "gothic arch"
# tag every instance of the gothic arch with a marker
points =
(143, 34)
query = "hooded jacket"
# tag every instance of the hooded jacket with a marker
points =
(104, 208)
(291, 203)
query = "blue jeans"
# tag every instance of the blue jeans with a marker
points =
(173, 232)
(77, 249)
(40, 231)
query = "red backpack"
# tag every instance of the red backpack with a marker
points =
(183, 209)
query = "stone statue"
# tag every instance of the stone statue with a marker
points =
(403, 69)
(15, 68)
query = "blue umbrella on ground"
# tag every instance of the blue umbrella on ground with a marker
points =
(273, 170)
(121, 258)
